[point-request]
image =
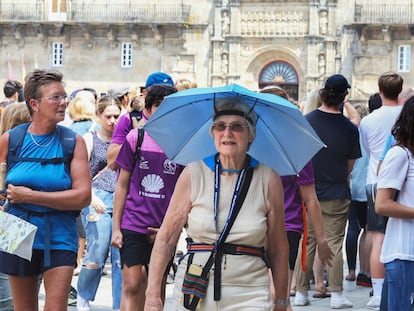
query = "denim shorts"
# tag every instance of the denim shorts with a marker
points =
(400, 281)
(14, 265)
(375, 222)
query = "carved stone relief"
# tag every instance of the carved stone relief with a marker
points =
(274, 23)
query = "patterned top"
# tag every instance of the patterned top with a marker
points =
(103, 177)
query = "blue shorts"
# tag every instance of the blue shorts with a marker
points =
(14, 265)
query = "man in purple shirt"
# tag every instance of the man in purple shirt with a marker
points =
(142, 194)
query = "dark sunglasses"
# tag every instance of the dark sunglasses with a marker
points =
(234, 127)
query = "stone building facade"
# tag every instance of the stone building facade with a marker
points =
(295, 44)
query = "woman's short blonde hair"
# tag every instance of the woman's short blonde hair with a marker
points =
(81, 108)
(184, 84)
(14, 115)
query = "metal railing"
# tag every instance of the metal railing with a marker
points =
(384, 13)
(157, 13)
(21, 11)
(82, 11)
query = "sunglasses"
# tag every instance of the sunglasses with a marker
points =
(234, 127)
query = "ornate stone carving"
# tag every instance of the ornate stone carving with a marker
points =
(225, 23)
(292, 22)
(111, 34)
(18, 36)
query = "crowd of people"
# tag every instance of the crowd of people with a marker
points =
(99, 187)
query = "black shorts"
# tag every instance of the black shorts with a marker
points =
(293, 239)
(14, 265)
(361, 209)
(375, 222)
(136, 249)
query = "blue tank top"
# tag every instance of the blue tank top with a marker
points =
(47, 178)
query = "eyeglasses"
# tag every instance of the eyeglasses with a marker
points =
(234, 127)
(56, 99)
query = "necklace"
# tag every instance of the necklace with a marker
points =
(39, 144)
(230, 170)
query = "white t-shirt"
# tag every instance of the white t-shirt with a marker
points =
(374, 130)
(397, 172)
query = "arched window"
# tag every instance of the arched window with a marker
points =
(282, 74)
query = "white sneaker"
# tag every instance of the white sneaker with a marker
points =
(301, 299)
(374, 303)
(82, 304)
(340, 303)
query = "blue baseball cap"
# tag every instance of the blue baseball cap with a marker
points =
(159, 78)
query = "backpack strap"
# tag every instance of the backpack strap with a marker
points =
(68, 142)
(140, 139)
(16, 138)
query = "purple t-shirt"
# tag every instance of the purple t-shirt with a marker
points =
(293, 201)
(151, 186)
(121, 130)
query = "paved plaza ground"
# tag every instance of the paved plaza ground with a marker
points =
(357, 294)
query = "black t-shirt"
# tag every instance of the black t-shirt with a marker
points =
(331, 164)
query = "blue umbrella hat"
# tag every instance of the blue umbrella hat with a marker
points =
(284, 139)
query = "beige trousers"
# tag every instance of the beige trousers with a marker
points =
(335, 217)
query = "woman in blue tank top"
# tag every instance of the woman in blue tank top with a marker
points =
(47, 195)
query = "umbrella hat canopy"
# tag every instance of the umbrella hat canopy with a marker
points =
(284, 140)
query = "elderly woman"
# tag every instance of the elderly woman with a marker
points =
(205, 193)
(45, 188)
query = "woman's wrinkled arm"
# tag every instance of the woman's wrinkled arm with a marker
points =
(277, 245)
(167, 238)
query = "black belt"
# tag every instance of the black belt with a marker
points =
(226, 248)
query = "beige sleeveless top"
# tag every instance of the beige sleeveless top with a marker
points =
(249, 228)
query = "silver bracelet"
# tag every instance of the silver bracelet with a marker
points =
(282, 302)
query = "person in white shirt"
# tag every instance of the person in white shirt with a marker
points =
(395, 200)
(374, 130)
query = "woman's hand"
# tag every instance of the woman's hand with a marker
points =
(98, 205)
(18, 194)
(116, 240)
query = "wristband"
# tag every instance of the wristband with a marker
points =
(282, 302)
